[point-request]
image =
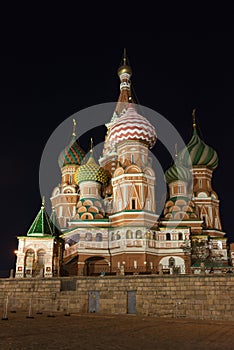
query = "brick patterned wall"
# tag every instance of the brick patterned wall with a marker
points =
(200, 297)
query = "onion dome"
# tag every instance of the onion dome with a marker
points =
(91, 171)
(73, 154)
(197, 153)
(132, 126)
(177, 172)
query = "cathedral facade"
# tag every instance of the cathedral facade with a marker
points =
(104, 218)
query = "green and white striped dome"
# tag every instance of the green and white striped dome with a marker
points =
(177, 172)
(197, 153)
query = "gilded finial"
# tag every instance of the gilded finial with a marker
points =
(125, 68)
(194, 118)
(43, 201)
(91, 145)
(176, 151)
(124, 57)
(74, 128)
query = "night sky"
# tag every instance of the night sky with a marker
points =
(173, 72)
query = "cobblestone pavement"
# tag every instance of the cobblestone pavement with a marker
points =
(93, 331)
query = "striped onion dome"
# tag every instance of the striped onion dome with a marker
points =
(197, 153)
(132, 126)
(91, 171)
(73, 154)
(177, 172)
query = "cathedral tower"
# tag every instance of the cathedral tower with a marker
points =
(65, 196)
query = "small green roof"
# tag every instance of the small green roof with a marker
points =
(42, 224)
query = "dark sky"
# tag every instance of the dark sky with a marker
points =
(173, 72)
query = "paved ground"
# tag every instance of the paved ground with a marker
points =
(112, 332)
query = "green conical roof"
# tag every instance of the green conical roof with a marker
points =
(42, 225)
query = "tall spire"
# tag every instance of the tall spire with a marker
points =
(124, 68)
(124, 73)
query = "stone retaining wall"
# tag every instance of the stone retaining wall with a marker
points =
(204, 297)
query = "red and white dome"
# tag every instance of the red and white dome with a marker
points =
(132, 126)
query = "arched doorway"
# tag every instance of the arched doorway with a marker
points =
(173, 263)
(39, 269)
(29, 262)
(96, 265)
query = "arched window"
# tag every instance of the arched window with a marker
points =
(168, 236)
(138, 234)
(180, 236)
(88, 236)
(41, 257)
(129, 234)
(117, 235)
(99, 237)
(29, 258)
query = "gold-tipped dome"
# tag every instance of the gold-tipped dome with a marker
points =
(73, 154)
(125, 68)
(91, 171)
(197, 153)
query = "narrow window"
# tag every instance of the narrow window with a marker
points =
(133, 204)
(168, 237)
(132, 157)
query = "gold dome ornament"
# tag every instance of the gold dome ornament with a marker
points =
(91, 171)
(125, 68)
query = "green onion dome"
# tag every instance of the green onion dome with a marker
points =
(91, 171)
(73, 154)
(177, 172)
(197, 153)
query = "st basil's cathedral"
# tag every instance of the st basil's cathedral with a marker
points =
(104, 216)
